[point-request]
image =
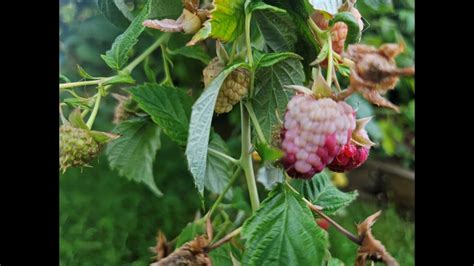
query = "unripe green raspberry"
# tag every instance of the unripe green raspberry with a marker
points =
(76, 146)
(234, 88)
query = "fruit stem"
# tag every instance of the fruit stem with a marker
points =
(342, 230)
(225, 239)
(79, 83)
(318, 209)
(225, 156)
(221, 196)
(168, 80)
(246, 159)
(164, 37)
(330, 62)
(93, 115)
(255, 122)
(336, 82)
(317, 31)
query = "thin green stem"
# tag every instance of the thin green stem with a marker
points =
(221, 196)
(225, 239)
(80, 83)
(225, 156)
(318, 33)
(163, 38)
(247, 40)
(330, 62)
(93, 115)
(246, 159)
(255, 122)
(168, 80)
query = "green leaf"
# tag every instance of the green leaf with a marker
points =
(110, 10)
(277, 28)
(267, 60)
(133, 153)
(222, 256)
(84, 74)
(161, 9)
(283, 232)
(226, 23)
(268, 153)
(335, 262)
(306, 45)
(194, 52)
(190, 232)
(270, 97)
(321, 191)
(200, 125)
(269, 176)
(218, 169)
(353, 31)
(169, 108)
(103, 137)
(75, 118)
(328, 6)
(119, 79)
(117, 56)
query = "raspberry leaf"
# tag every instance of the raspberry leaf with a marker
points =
(321, 191)
(117, 56)
(283, 231)
(133, 153)
(335, 262)
(271, 97)
(226, 23)
(276, 26)
(200, 126)
(112, 12)
(218, 169)
(169, 108)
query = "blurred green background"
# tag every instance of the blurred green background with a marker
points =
(107, 220)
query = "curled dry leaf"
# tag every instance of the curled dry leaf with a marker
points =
(375, 72)
(193, 253)
(189, 22)
(371, 248)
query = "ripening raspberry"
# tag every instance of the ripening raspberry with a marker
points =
(314, 131)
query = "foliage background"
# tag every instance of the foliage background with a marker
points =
(107, 220)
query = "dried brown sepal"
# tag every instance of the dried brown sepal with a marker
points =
(193, 253)
(371, 248)
(375, 72)
(359, 135)
(162, 247)
(120, 112)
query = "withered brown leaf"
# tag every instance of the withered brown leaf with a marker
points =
(371, 248)
(193, 253)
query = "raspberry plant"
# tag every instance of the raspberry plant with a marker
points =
(281, 63)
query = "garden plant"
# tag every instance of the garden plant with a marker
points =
(282, 72)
